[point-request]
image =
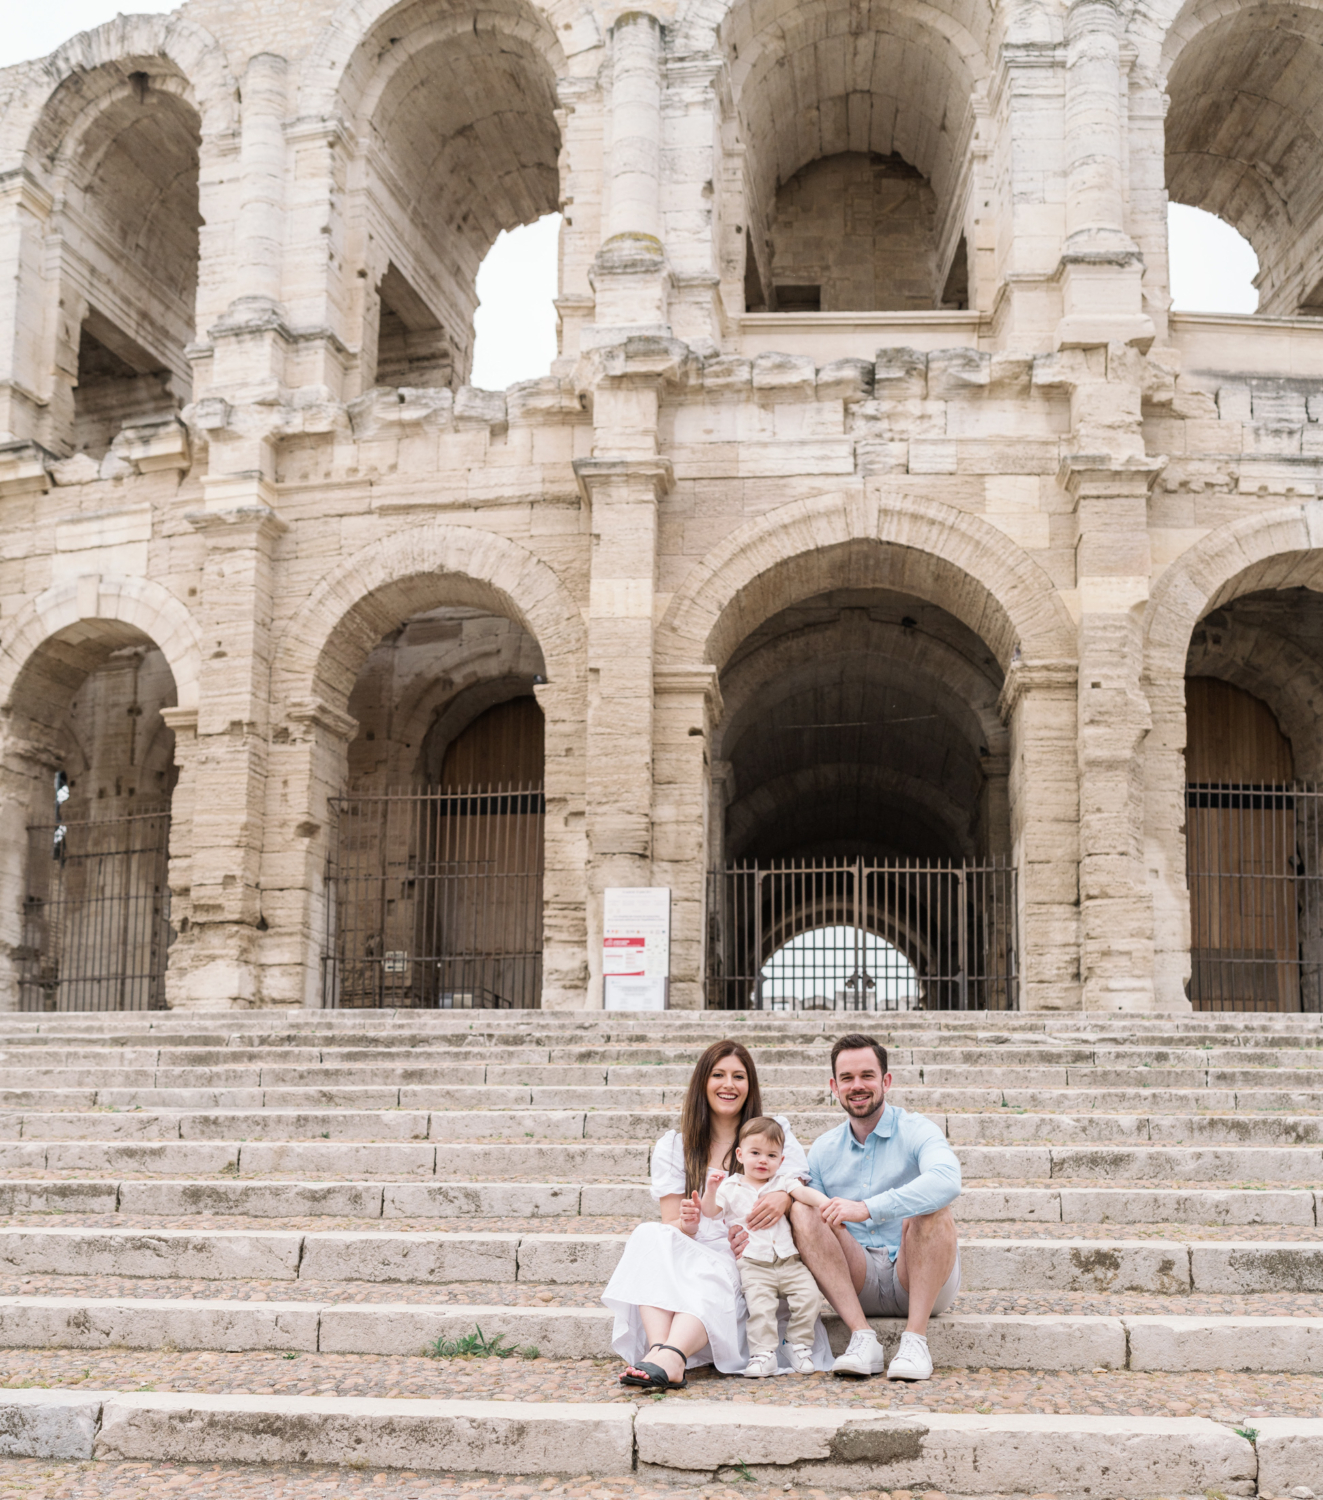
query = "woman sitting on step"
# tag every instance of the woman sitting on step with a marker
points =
(676, 1291)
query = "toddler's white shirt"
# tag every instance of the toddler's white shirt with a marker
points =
(736, 1197)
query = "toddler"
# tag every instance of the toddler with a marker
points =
(770, 1267)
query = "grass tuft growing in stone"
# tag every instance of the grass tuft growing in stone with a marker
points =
(477, 1345)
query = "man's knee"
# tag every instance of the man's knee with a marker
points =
(803, 1216)
(938, 1225)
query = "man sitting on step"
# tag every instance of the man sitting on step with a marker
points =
(883, 1244)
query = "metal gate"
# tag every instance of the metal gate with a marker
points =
(1256, 899)
(96, 924)
(434, 898)
(828, 935)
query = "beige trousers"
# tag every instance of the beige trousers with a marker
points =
(764, 1286)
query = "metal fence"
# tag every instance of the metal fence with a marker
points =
(1256, 898)
(96, 924)
(859, 935)
(434, 899)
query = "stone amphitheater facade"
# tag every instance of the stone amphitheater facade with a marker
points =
(869, 402)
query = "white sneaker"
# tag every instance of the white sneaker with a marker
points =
(801, 1359)
(865, 1355)
(912, 1361)
(761, 1365)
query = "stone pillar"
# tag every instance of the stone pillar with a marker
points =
(216, 962)
(688, 706)
(629, 274)
(1038, 702)
(259, 229)
(27, 779)
(36, 391)
(1100, 264)
(634, 162)
(565, 900)
(1113, 567)
(623, 495)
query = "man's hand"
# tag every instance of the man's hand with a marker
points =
(769, 1208)
(844, 1211)
(738, 1239)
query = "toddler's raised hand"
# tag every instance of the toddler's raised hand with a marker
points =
(715, 1178)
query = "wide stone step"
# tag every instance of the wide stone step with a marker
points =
(684, 1440)
(634, 1125)
(1169, 1204)
(1046, 1342)
(1164, 1266)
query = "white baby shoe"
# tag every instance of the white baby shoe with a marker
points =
(761, 1365)
(801, 1359)
(912, 1361)
(864, 1355)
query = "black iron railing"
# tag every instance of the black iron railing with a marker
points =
(434, 898)
(96, 917)
(1252, 858)
(862, 935)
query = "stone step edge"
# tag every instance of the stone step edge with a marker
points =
(1038, 1341)
(962, 1454)
(1167, 1267)
(382, 1200)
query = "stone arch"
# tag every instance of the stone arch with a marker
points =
(84, 619)
(36, 122)
(843, 540)
(1280, 548)
(1244, 128)
(351, 609)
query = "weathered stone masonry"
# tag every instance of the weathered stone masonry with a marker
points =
(925, 568)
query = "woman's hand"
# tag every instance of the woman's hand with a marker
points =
(691, 1211)
(840, 1211)
(770, 1208)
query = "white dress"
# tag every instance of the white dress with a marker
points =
(664, 1267)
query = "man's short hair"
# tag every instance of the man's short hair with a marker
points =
(763, 1125)
(856, 1042)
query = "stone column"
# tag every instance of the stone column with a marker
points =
(688, 706)
(1113, 567)
(1038, 702)
(623, 495)
(216, 963)
(1100, 264)
(565, 900)
(629, 274)
(29, 387)
(28, 762)
(259, 230)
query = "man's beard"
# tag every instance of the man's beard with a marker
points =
(861, 1109)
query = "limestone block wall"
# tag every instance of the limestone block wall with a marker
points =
(885, 573)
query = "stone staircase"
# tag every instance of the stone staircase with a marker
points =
(230, 1237)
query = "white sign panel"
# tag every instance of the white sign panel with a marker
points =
(636, 947)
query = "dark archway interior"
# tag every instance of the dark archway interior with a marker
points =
(863, 723)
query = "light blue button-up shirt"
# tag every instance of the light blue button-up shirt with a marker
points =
(905, 1167)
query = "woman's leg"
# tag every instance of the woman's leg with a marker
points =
(681, 1330)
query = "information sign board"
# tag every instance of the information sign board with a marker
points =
(636, 947)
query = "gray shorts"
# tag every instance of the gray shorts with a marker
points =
(882, 1295)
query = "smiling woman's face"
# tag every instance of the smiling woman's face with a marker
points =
(727, 1086)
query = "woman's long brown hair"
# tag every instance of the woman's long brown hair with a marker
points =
(696, 1118)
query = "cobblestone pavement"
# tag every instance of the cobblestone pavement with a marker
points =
(42, 1479)
(970, 1229)
(588, 1294)
(1221, 1395)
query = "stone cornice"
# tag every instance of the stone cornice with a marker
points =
(600, 473)
(316, 711)
(1041, 676)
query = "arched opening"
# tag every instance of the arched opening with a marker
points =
(515, 324)
(856, 123)
(124, 141)
(1213, 268)
(1243, 134)
(839, 968)
(88, 802)
(860, 769)
(1254, 829)
(438, 856)
(460, 114)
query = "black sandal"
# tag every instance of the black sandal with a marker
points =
(657, 1378)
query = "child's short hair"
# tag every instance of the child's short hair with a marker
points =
(763, 1125)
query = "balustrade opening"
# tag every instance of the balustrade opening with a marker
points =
(862, 935)
(434, 899)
